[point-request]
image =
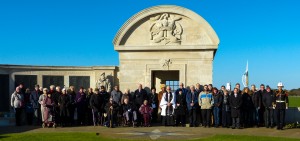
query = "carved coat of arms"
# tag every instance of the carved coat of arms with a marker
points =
(165, 29)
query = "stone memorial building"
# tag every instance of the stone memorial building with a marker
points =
(162, 44)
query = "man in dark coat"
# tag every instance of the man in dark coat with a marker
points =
(34, 99)
(96, 103)
(180, 110)
(81, 106)
(139, 96)
(153, 101)
(261, 111)
(89, 113)
(55, 96)
(256, 98)
(63, 103)
(72, 95)
(192, 105)
(236, 102)
(268, 100)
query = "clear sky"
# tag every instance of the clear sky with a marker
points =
(80, 33)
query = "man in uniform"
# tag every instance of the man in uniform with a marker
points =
(281, 105)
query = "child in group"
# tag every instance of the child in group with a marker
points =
(146, 111)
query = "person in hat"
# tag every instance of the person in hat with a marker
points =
(268, 102)
(282, 100)
(159, 96)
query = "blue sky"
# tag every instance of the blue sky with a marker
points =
(80, 33)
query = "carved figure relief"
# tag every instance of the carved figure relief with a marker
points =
(165, 29)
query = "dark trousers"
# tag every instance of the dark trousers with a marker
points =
(89, 116)
(167, 120)
(180, 119)
(269, 117)
(216, 112)
(226, 118)
(246, 117)
(235, 122)
(280, 118)
(257, 116)
(36, 116)
(154, 114)
(18, 115)
(57, 115)
(81, 116)
(112, 119)
(97, 117)
(206, 116)
(193, 117)
(72, 113)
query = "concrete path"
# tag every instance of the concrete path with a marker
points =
(158, 132)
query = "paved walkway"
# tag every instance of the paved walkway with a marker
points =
(158, 132)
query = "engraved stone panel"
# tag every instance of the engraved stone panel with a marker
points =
(28, 80)
(4, 88)
(79, 81)
(53, 80)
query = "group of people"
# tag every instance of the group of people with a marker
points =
(196, 105)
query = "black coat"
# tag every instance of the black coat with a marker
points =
(235, 105)
(181, 109)
(64, 102)
(97, 102)
(153, 99)
(128, 106)
(139, 97)
(115, 108)
(247, 102)
(268, 99)
(256, 98)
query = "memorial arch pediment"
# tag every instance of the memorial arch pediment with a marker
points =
(166, 28)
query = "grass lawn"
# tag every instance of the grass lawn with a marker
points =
(73, 136)
(294, 101)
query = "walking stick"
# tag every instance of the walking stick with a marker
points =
(111, 116)
(94, 120)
